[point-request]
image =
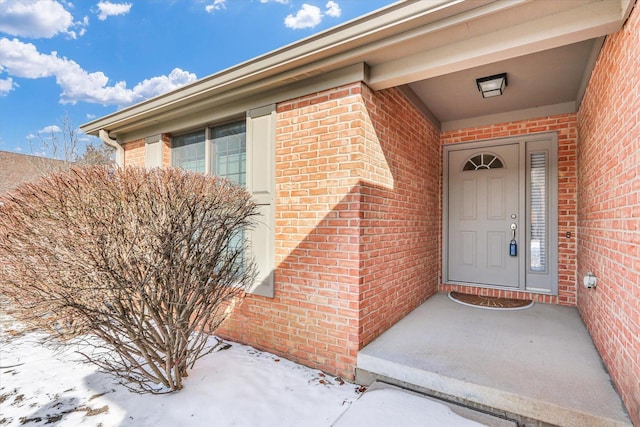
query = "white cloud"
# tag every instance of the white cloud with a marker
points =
(50, 129)
(23, 60)
(39, 19)
(7, 85)
(108, 9)
(310, 16)
(149, 88)
(216, 5)
(333, 9)
(82, 26)
(307, 17)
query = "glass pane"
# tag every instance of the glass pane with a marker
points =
(228, 159)
(228, 155)
(483, 161)
(221, 169)
(188, 152)
(236, 243)
(233, 160)
(495, 163)
(538, 252)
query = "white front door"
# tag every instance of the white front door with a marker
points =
(484, 205)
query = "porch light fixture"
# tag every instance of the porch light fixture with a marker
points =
(492, 85)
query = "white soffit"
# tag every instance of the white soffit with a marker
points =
(549, 77)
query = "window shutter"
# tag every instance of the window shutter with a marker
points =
(261, 135)
(153, 152)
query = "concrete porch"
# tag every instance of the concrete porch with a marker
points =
(537, 366)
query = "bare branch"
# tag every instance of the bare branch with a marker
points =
(145, 261)
(61, 147)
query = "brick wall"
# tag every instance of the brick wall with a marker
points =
(345, 173)
(609, 209)
(400, 211)
(166, 150)
(566, 127)
(134, 153)
(313, 317)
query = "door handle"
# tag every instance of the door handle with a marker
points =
(513, 245)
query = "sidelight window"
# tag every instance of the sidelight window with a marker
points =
(538, 211)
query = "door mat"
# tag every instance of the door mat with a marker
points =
(491, 303)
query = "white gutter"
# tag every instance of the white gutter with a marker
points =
(104, 137)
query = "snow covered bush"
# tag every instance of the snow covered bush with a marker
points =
(141, 263)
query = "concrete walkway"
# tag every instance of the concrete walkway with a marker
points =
(537, 366)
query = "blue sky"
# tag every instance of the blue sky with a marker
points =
(88, 58)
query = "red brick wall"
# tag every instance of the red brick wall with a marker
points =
(400, 211)
(313, 318)
(134, 153)
(609, 209)
(566, 127)
(166, 150)
(347, 228)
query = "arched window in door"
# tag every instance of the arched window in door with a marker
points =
(483, 161)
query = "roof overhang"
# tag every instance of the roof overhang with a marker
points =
(401, 44)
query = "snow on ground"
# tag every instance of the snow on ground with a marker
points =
(386, 407)
(239, 386)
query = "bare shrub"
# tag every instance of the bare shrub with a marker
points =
(146, 261)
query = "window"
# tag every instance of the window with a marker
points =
(188, 152)
(538, 211)
(483, 161)
(228, 156)
(229, 152)
(243, 152)
(227, 149)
